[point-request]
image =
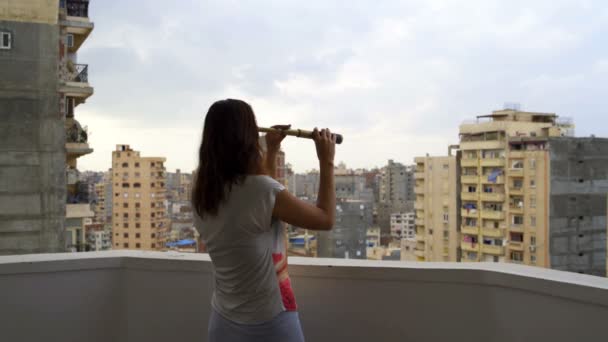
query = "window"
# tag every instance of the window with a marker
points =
(532, 240)
(125, 164)
(517, 164)
(152, 185)
(446, 218)
(137, 235)
(533, 259)
(532, 201)
(125, 245)
(137, 245)
(532, 221)
(137, 174)
(136, 164)
(69, 40)
(125, 205)
(533, 183)
(137, 195)
(532, 164)
(153, 245)
(125, 195)
(125, 235)
(517, 256)
(125, 185)
(125, 225)
(153, 235)
(137, 225)
(136, 185)
(518, 220)
(125, 215)
(5, 41)
(152, 164)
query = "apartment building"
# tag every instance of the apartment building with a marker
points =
(40, 87)
(436, 207)
(403, 225)
(139, 219)
(505, 185)
(396, 184)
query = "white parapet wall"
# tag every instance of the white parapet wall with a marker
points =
(155, 296)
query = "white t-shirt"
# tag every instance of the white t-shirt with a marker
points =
(248, 250)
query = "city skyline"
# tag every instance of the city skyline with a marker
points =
(387, 77)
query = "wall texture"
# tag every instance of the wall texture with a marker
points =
(32, 140)
(577, 218)
(152, 296)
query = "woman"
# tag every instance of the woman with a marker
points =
(239, 209)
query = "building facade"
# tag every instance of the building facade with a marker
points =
(403, 225)
(505, 182)
(139, 219)
(437, 206)
(578, 189)
(39, 89)
(349, 236)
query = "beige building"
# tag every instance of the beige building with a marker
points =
(436, 209)
(139, 219)
(408, 249)
(504, 182)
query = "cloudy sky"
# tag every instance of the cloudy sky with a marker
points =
(395, 77)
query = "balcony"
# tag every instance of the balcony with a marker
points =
(420, 238)
(76, 82)
(494, 250)
(492, 197)
(419, 190)
(468, 162)
(516, 209)
(418, 205)
(468, 213)
(519, 172)
(499, 180)
(469, 179)
(469, 196)
(152, 296)
(469, 246)
(516, 246)
(497, 162)
(516, 191)
(470, 230)
(516, 154)
(492, 215)
(418, 175)
(517, 227)
(419, 222)
(493, 232)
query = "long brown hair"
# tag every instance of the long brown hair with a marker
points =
(229, 151)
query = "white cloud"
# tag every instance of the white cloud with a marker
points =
(396, 77)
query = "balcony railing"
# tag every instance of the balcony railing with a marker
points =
(81, 73)
(76, 8)
(152, 296)
(76, 134)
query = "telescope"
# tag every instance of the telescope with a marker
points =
(297, 133)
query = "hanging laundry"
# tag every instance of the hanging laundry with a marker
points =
(493, 176)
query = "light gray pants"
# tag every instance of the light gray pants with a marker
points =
(285, 327)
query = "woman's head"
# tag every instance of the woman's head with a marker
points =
(229, 151)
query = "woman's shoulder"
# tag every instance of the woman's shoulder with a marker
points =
(263, 182)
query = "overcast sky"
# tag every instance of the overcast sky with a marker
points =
(395, 77)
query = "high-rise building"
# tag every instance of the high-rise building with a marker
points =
(139, 219)
(348, 237)
(396, 184)
(403, 225)
(578, 189)
(436, 206)
(505, 186)
(40, 86)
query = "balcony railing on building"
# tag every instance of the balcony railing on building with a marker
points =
(79, 73)
(75, 8)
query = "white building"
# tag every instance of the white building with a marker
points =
(403, 225)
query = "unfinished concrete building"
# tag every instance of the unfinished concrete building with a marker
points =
(577, 214)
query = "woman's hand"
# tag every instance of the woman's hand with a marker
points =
(274, 139)
(325, 143)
